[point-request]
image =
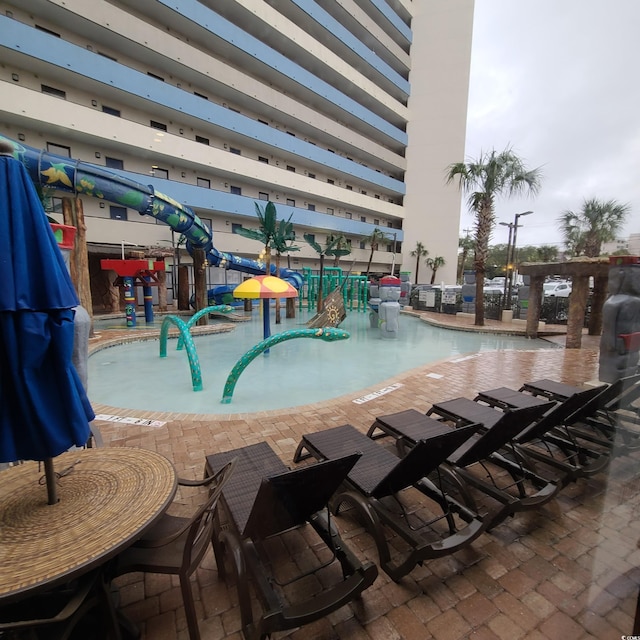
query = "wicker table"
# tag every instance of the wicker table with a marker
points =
(108, 500)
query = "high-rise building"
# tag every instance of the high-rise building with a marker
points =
(344, 113)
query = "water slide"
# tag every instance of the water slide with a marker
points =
(75, 176)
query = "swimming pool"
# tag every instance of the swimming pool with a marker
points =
(296, 372)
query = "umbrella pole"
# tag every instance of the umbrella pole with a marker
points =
(265, 321)
(50, 476)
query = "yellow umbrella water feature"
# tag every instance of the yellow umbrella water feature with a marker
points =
(265, 288)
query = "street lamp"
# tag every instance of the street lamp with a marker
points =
(513, 247)
(508, 263)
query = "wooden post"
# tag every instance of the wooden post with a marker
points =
(200, 281)
(183, 287)
(600, 286)
(73, 214)
(162, 291)
(535, 305)
(291, 307)
(111, 299)
(577, 307)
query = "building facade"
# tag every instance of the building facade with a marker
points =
(344, 113)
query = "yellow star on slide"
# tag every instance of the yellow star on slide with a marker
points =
(56, 173)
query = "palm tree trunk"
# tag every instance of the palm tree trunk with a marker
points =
(278, 321)
(319, 307)
(417, 268)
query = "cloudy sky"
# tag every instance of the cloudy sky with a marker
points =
(557, 80)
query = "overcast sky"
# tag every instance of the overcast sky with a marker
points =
(557, 80)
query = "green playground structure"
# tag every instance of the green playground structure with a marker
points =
(354, 288)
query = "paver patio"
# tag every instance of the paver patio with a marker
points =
(567, 571)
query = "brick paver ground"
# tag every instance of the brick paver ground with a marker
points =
(567, 571)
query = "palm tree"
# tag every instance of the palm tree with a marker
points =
(266, 231)
(491, 175)
(341, 248)
(466, 244)
(374, 239)
(434, 264)
(282, 243)
(330, 249)
(419, 252)
(597, 222)
(546, 253)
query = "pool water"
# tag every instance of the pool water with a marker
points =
(295, 372)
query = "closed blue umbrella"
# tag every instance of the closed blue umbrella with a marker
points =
(44, 409)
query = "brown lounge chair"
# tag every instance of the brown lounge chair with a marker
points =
(486, 462)
(547, 444)
(266, 507)
(374, 485)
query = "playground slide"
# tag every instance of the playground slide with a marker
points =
(65, 174)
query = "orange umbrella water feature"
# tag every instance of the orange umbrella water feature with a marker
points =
(265, 287)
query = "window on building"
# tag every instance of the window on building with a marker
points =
(235, 226)
(111, 111)
(311, 207)
(235, 150)
(200, 95)
(291, 133)
(236, 191)
(59, 149)
(263, 122)
(117, 213)
(52, 91)
(363, 218)
(291, 168)
(106, 55)
(154, 124)
(330, 181)
(202, 140)
(348, 215)
(113, 163)
(263, 195)
(55, 205)
(376, 221)
(153, 75)
(45, 30)
(291, 202)
(311, 236)
(330, 150)
(363, 192)
(311, 175)
(158, 172)
(349, 187)
(363, 244)
(263, 159)
(203, 182)
(377, 197)
(330, 211)
(390, 224)
(233, 109)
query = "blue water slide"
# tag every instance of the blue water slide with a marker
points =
(82, 178)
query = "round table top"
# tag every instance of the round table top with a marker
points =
(107, 501)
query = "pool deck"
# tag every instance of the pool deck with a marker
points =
(569, 570)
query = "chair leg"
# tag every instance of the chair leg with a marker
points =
(189, 607)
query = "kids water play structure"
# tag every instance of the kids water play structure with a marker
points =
(75, 176)
(65, 174)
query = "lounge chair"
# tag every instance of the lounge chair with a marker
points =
(489, 452)
(375, 484)
(265, 507)
(611, 418)
(546, 443)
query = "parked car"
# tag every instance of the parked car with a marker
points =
(556, 289)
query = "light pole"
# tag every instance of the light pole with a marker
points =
(513, 247)
(508, 263)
